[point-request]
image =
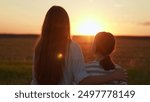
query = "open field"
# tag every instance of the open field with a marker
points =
(133, 53)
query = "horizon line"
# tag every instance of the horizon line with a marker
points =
(132, 35)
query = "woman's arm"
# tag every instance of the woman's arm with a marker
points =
(116, 75)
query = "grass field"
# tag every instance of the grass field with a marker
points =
(132, 53)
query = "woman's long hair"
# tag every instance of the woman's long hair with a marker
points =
(104, 45)
(50, 51)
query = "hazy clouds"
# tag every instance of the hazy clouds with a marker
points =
(146, 23)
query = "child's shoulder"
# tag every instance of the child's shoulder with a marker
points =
(92, 63)
(118, 66)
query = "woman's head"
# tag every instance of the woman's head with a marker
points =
(56, 21)
(104, 43)
(50, 51)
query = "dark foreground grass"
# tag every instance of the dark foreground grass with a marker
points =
(138, 77)
(15, 73)
(19, 73)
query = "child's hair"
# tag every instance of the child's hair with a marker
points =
(104, 45)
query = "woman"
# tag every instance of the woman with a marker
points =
(59, 60)
(104, 44)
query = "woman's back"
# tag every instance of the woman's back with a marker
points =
(74, 70)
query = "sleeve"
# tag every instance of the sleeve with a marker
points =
(77, 64)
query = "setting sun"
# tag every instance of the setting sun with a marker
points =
(89, 27)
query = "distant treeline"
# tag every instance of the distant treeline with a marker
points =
(74, 37)
(19, 35)
(117, 37)
(134, 37)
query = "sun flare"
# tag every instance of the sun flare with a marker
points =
(89, 27)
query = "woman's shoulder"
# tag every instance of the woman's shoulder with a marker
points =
(74, 44)
(75, 48)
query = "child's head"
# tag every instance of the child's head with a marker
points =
(104, 43)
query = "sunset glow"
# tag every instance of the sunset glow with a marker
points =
(88, 27)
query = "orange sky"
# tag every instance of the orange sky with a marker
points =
(120, 17)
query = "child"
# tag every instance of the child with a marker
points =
(103, 46)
